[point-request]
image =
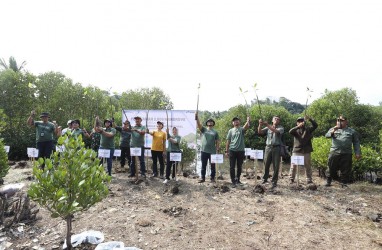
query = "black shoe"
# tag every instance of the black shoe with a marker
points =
(233, 185)
(309, 182)
(239, 182)
(328, 184)
(274, 184)
(131, 175)
(213, 181)
(201, 180)
(264, 182)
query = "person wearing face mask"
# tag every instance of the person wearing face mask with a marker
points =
(210, 145)
(273, 143)
(302, 146)
(344, 139)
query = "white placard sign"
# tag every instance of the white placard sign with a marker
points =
(60, 148)
(175, 156)
(257, 154)
(117, 153)
(7, 149)
(148, 152)
(247, 151)
(104, 153)
(217, 158)
(32, 152)
(135, 151)
(297, 160)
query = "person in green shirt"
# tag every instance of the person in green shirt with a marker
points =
(235, 149)
(138, 141)
(124, 142)
(344, 139)
(44, 133)
(107, 140)
(76, 130)
(173, 147)
(210, 145)
(273, 143)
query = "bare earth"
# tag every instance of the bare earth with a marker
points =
(152, 215)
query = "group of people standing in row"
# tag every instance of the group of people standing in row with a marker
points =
(344, 140)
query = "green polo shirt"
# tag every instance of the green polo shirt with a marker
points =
(137, 140)
(44, 131)
(236, 138)
(174, 147)
(108, 142)
(209, 138)
(273, 139)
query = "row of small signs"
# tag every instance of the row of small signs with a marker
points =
(215, 158)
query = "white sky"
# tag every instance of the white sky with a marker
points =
(284, 46)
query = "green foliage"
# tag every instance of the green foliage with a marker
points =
(4, 167)
(321, 148)
(188, 154)
(71, 181)
(371, 161)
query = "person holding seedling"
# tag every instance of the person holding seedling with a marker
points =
(302, 146)
(210, 145)
(235, 149)
(273, 133)
(107, 140)
(340, 156)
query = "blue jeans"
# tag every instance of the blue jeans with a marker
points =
(109, 160)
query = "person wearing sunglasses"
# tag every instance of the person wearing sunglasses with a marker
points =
(344, 140)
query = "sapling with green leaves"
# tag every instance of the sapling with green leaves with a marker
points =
(72, 181)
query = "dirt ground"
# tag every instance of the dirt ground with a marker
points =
(189, 215)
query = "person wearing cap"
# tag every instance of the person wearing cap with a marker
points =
(235, 149)
(124, 142)
(344, 139)
(158, 149)
(68, 128)
(173, 147)
(273, 143)
(210, 145)
(76, 130)
(44, 133)
(138, 141)
(302, 146)
(107, 140)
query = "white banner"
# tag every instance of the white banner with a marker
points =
(184, 120)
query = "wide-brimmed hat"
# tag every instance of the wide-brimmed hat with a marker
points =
(75, 121)
(210, 120)
(137, 117)
(44, 114)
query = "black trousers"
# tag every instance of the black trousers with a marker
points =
(341, 162)
(236, 158)
(125, 153)
(157, 155)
